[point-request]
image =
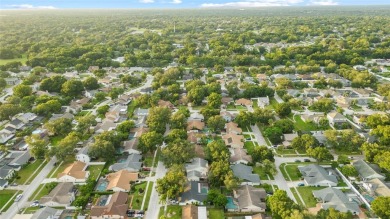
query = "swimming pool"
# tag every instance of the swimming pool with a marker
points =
(368, 198)
(102, 186)
(230, 205)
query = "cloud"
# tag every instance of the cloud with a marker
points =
(28, 6)
(146, 1)
(323, 2)
(254, 3)
(176, 1)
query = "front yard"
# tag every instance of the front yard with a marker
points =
(58, 169)
(307, 195)
(28, 171)
(42, 190)
(173, 212)
(5, 196)
(95, 171)
(291, 170)
(304, 126)
(260, 171)
(137, 193)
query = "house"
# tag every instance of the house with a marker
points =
(11, 81)
(244, 173)
(195, 125)
(61, 196)
(196, 116)
(167, 104)
(197, 169)
(334, 198)
(60, 116)
(262, 101)
(194, 212)
(368, 171)
(233, 128)
(141, 112)
(137, 132)
(377, 187)
(233, 140)
(227, 116)
(293, 92)
(316, 175)
(258, 216)
(335, 117)
(27, 117)
(315, 118)
(6, 172)
(311, 92)
(288, 138)
(6, 135)
(120, 181)
(243, 102)
(262, 77)
(47, 213)
(131, 146)
(239, 155)
(18, 159)
(3, 184)
(133, 163)
(359, 118)
(112, 206)
(250, 199)
(107, 125)
(16, 124)
(74, 173)
(77, 105)
(82, 155)
(227, 100)
(194, 137)
(362, 92)
(194, 192)
(93, 68)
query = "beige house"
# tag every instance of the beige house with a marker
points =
(243, 102)
(250, 199)
(233, 140)
(74, 173)
(61, 196)
(195, 124)
(240, 155)
(120, 181)
(233, 128)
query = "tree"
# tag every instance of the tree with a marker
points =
(286, 125)
(281, 205)
(283, 109)
(149, 141)
(244, 119)
(214, 100)
(216, 123)
(196, 95)
(233, 89)
(91, 83)
(22, 90)
(176, 134)
(370, 150)
(343, 159)
(72, 88)
(349, 170)
(331, 213)
(274, 134)
(100, 96)
(383, 160)
(177, 152)
(269, 167)
(208, 112)
(263, 116)
(37, 146)
(381, 207)
(216, 198)
(51, 106)
(304, 142)
(178, 120)
(8, 110)
(172, 184)
(219, 169)
(158, 118)
(320, 154)
(125, 127)
(66, 146)
(52, 84)
(59, 127)
(262, 153)
(85, 122)
(3, 83)
(102, 149)
(102, 110)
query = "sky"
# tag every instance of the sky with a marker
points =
(62, 4)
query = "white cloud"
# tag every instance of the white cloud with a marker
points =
(146, 1)
(176, 1)
(253, 3)
(28, 6)
(323, 2)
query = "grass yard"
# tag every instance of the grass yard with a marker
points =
(22, 60)
(147, 197)
(235, 107)
(249, 146)
(294, 192)
(285, 151)
(216, 213)
(254, 104)
(30, 210)
(55, 140)
(292, 170)
(5, 196)
(173, 212)
(28, 171)
(272, 103)
(149, 159)
(58, 169)
(95, 170)
(307, 195)
(137, 196)
(266, 187)
(263, 176)
(339, 152)
(46, 189)
(303, 126)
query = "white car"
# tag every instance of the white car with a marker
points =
(34, 204)
(18, 197)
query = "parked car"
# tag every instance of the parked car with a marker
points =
(306, 160)
(297, 161)
(301, 184)
(18, 197)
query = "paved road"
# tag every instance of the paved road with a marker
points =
(154, 203)
(148, 83)
(278, 99)
(29, 191)
(259, 137)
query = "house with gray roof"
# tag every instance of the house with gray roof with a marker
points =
(62, 195)
(197, 169)
(47, 213)
(316, 175)
(19, 158)
(368, 171)
(250, 199)
(132, 164)
(16, 123)
(244, 173)
(6, 172)
(3, 184)
(82, 155)
(141, 112)
(194, 192)
(335, 198)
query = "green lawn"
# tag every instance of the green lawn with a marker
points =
(307, 195)
(272, 103)
(22, 60)
(173, 212)
(234, 107)
(147, 197)
(149, 159)
(137, 196)
(249, 146)
(266, 187)
(294, 192)
(95, 171)
(285, 151)
(5, 196)
(58, 169)
(216, 213)
(30, 210)
(303, 126)
(259, 171)
(254, 104)
(292, 170)
(46, 189)
(28, 171)
(55, 140)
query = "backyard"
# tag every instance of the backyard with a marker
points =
(216, 213)
(260, 171)
(28, 171)
(58, 169)
(303, 126)
(307, 195)
(95, 171)
(173, 212)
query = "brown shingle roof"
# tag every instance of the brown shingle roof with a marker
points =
(195, 124)
(76, 170)
(121, 179)
(116, 206)
(189, 212)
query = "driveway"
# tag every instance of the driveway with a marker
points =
(154, 203)
(13, 210)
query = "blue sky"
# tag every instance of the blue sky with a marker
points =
(53, 4)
